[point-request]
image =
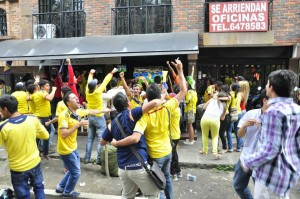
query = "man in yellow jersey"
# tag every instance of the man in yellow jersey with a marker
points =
(68, 124)
(21, 95)
(156, 124)
(42, 100)
(18, 133)
(135, 98)
(97, 123)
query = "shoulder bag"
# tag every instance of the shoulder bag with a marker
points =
(154, 171)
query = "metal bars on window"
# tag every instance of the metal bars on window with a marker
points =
(68, 16)
(3, 23)
(141, 17)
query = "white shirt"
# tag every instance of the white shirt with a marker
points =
(251, 132)
(105, 98)
(214, 109)
(112, 92)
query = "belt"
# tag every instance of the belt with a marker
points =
(131, 168)
(44, 117)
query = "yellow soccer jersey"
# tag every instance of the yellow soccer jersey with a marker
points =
(191, 100)
(236, 101)
(155, 126)
(208, 91)
(94, 99)
(60, 108)
(67, 120)
(42, 106)
(136, 103)
(19, 135)
(175, 126)
(22, 102)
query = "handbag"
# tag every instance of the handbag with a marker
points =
(153, 171)
(233, 114)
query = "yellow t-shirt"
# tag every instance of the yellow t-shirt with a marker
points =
(155, 126)
(236, 101)
(95, 99)
(191, 100)
(60, 107)
(208, 91)
(31, 105)
(19, 137)
(67, 120)
(42, 106)
(134, 103)
(23, 107)
(175, 124)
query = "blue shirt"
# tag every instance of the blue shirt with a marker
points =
(124, 155)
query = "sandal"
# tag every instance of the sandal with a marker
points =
(217, 156)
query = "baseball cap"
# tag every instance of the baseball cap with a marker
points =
(92, 84)
(239, 78)
(19, 86)
(191, 81)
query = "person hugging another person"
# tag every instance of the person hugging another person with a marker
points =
(215, 110)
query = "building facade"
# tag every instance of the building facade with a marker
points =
(223, 52)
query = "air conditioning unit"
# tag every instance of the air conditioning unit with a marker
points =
(44, 31)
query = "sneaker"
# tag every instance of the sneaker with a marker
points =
(187, 142)
(179, 175)
(238, 150)
(72, 195)
(98, 162)
(47, 157)
(174, 177)
(229, 150)
(222, 151)
(58, 191)
(87, 161)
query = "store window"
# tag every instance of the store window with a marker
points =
(3, 23)
(142, 17)
(65, 17)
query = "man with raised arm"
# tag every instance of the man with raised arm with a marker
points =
(97, 123)
(155, 126)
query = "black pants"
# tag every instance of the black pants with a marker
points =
(223, 126)
(175, 168)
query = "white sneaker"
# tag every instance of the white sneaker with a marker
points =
(174, 177)
(179, 175)
(187, 142)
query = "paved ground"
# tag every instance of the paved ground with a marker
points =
(212, 181)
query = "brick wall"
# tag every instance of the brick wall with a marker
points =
(98, 17)
(286, 21)
(188, 16)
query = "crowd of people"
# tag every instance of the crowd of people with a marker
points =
(151, 116)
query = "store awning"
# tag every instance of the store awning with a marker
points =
(100, 46)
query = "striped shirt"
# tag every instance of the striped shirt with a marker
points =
(276, 162)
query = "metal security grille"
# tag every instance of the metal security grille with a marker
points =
(3, 24)
(141, 17)
(68, 16)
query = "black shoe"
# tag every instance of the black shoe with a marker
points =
(58, 191)
(98, 162)
(139, 193)
(86, 161)
(72, 195)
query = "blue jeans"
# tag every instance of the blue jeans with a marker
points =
(69, 181)
(20, 181)
(164, 163)
(241, 181)
(234, 126)
(45, 143)
(52, 131)
(97, 126)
